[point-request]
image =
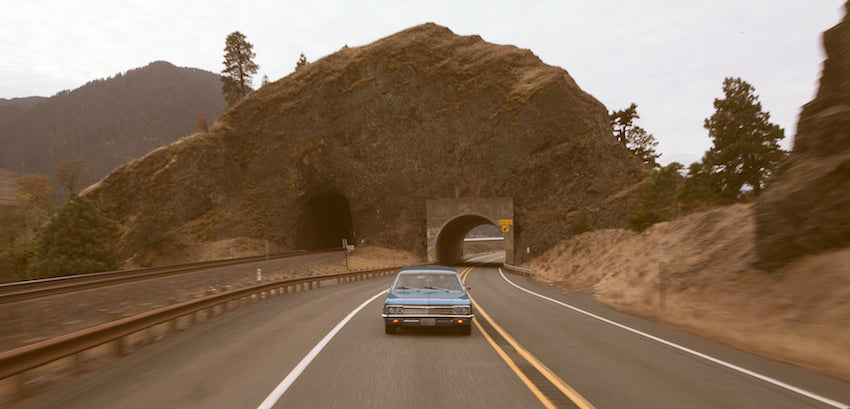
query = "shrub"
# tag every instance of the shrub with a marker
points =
(77, 239)
(579, 226)
(640, 219)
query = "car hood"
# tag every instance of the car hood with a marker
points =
(427, 297)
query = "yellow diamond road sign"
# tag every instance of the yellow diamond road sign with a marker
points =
(506, 224)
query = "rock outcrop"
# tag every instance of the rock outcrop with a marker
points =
(806, 207)
(353, 144)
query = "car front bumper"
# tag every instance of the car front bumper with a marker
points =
(428, 321)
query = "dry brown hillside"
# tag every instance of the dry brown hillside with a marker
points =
(797, 314)
(352, 145)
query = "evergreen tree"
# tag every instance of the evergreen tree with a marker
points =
(657, 199)
(239, 67)
(746, 145)
(302, 61)
(634, 138)
(622, 121)
(76, 240)
(696, 191)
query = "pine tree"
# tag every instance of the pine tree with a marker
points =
(634, 138)
(302, 61)
(78, 239)
(657, 199)
(239, 67)
(746, 145)
(696, 191)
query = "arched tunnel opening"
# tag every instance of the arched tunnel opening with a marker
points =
(449, 246)
(325, 221)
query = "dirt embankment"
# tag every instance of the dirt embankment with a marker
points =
(797, 314)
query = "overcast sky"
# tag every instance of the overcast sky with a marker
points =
(670, 57)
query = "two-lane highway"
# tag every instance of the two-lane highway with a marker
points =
(628, 362)
(312, 350)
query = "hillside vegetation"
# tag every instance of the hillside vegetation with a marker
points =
(107, 122)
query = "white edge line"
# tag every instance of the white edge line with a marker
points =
(278, 392)
(690, 351)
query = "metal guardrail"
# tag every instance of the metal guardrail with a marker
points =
(518, 270)
(26, 290)
(32, 356)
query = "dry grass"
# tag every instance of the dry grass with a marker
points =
(369, 257)
(798, 314)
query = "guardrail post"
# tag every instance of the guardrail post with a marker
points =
(78, 362)
(118, 347)
(147, 336)
(21, 386)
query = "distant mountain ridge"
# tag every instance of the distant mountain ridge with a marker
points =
(107, 122)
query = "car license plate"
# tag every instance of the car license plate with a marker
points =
(428, 322)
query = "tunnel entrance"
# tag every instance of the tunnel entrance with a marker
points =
(325, 220)
(449, 247)
(448, 221)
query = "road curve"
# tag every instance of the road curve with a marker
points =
(238, 359)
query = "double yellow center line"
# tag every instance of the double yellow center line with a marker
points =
(562, 386)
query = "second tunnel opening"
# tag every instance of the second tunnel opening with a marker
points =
(325, 221)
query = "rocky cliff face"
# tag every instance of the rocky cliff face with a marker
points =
(806, 208)
(353, 144)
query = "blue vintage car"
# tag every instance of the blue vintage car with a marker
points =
(428, 296)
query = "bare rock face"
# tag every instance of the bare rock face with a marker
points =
(352, 145)
(806, 208)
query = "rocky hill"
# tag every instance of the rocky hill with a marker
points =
(806, 207)
(353, 144)
(107, 122)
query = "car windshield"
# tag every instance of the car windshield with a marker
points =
(428, 281)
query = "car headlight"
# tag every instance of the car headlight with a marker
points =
(460, 310)
(395, 309)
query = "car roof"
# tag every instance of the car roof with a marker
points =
(427, 269)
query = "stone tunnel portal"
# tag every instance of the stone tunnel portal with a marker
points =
(450, 220)
(325, 221)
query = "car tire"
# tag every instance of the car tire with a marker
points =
(465, 330)
(389, 329)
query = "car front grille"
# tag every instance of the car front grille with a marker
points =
(427, 310)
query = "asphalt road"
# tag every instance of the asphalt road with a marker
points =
(237, 360)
